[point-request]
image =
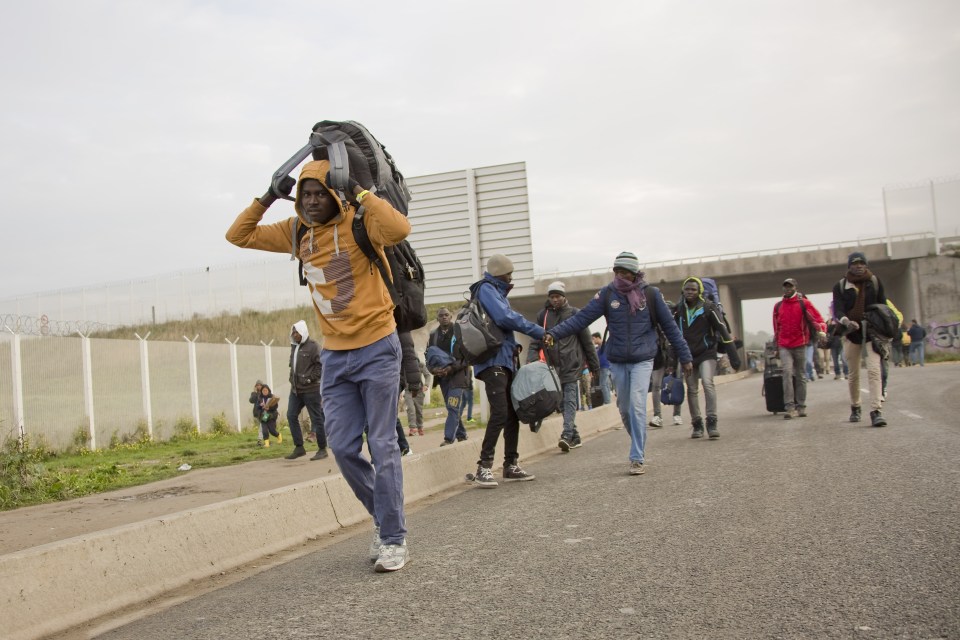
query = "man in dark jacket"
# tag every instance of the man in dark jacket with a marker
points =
(631, 308)
(852, 295)
(305, 371)
(567, 356)
(917, 335)
(453, 379)
(703, 329)
(498, 372)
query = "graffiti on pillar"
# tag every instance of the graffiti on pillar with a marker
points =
(945, 336)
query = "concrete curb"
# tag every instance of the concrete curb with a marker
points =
(53, 587)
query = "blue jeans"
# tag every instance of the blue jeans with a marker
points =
(360, 388)
(704, 373)
(838, 358)
(571, 392)
(606, 383)
(633, 381)
(811, 371)
(295, 404)
(468, 402)
(916, 353)
(453, 399)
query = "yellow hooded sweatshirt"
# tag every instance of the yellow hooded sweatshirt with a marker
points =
(351, 301)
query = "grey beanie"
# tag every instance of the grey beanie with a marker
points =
(557, 287)
(499, 265)
(628, 261)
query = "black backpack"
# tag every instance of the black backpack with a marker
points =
(882, 322)
(476, 337)
(328, 141)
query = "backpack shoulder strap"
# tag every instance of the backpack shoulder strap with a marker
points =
(298, 232)
(649, 295)
(363, 241)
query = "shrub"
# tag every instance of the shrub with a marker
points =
(185, 429)
(219, 424)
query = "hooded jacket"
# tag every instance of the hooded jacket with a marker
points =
(790, 329)
(492, 293)
(702, 326)
(352, 303)
(305, 367)
(568, 354)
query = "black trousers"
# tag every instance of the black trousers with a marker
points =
(497, 381)
(295, 405)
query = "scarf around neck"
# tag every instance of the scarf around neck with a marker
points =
(633, 291)
(856, 313)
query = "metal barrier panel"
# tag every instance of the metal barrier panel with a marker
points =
(7, 427)
(169, 387)
(213, 378)
(53, 406)
(117, 394)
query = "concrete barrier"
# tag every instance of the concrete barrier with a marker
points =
(54, 587)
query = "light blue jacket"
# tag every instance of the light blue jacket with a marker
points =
(492, 293)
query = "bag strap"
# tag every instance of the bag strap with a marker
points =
(363, 241)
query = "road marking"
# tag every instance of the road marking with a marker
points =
(910, 414)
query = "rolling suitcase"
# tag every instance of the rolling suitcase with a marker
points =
(773, 389)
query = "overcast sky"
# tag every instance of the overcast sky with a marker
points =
(134, 132)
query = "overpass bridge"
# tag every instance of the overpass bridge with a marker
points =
(920, 273)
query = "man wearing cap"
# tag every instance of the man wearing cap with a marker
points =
(856, 291)
(795, 320)
(567, 357)
(497, 373)
(632, 309)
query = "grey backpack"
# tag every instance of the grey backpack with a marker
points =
(536, 393)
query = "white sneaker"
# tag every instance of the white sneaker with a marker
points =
(656, 421)
(392, 557)
(677, 420)
(375, 545)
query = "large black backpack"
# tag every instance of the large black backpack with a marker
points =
(329, 142)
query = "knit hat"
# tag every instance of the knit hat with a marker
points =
(499, 265)
(628, 261)
(856, 255)
(557, 287)
(259, 383)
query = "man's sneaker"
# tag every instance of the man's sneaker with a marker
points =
(405, 452)
(854, 414)
(788, 414)
(697, 428)
(636, 468)
(392, 557)
(262, 443)
(513, 473)
(375, 545)
(712, 427)
(446, 442)
(564, 445)
(801, 412)
(320, 454)
(298, 452)
(677, 420)
(463, 439)
(576, 443)
(656, 422)
(876, 419)
(412, 432)
(837, 377)
(484, 478)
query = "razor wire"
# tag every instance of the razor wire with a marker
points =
(44, 326)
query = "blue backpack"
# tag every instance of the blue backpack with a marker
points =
(671, 392)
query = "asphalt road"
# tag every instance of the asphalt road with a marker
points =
(810, 528)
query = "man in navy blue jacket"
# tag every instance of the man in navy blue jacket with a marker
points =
(631, 307)
(497, 373)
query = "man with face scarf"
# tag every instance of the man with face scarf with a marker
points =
(852, 295)
(631, 308)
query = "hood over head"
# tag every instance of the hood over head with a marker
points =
(301, 327)
(695, 280)
(315, 170)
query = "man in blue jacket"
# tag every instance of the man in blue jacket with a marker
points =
(631, 308)
(497, 373)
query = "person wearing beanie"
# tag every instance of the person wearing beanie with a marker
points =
(255, 400)
(795, 322)
(705, 332)
(852, 295)
(498, 372)
(632, 309)
(567, 357)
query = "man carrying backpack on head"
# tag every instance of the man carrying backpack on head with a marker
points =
(497, 373)
(703, 328)
(852, 295)
(567, 357)
(795, 322)
(361, 349)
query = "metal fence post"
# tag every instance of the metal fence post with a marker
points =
(16, 365)
(88, 387)
(268, 362)
(194, 385)
(145, 381)
(235, 380)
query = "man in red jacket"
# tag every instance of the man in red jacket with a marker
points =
(794, 318)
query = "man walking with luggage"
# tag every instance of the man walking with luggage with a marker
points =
(567, 357)
(852, 295)
(305, 373)
(632, 309)
(498, 372)
(453, 379)
(794, 318)
(361, 348)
